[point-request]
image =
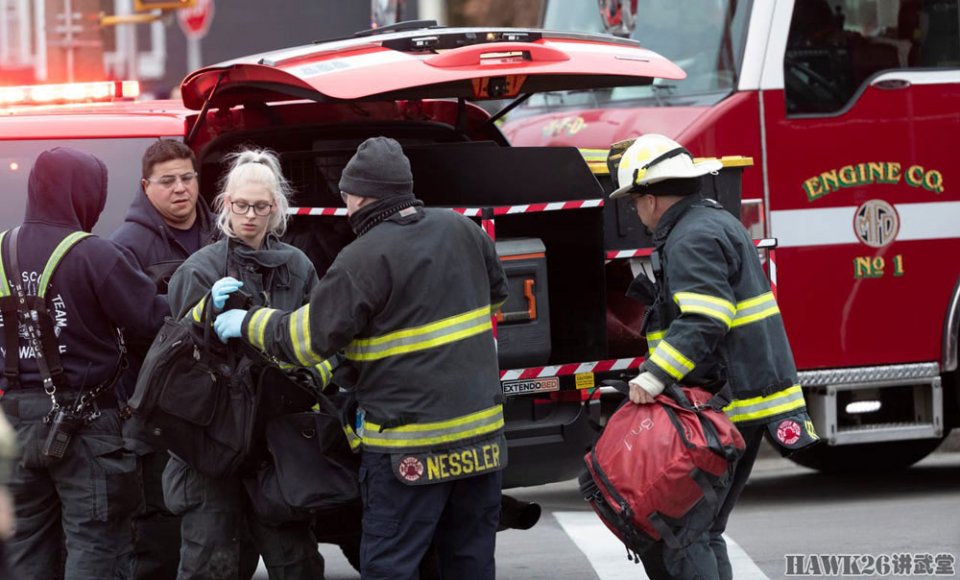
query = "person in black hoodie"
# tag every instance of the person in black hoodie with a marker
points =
(73, 513)
(167, 222)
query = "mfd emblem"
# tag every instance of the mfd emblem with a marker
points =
(788, 432)
(410, 468)
(876, 223)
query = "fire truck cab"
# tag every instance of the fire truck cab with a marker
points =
(848, 108)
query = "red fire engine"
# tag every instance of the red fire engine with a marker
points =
(849, 109)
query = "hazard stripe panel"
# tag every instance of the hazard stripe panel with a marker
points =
(571, 369)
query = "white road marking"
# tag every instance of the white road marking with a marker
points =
(608, 556)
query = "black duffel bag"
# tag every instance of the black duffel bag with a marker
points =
(311, 469)
(197, 397)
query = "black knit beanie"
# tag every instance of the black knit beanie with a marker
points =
(378, 169)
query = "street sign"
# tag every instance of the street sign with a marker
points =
(195, 22)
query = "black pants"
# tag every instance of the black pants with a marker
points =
(156, 540)
(74, 514)
(221, 537)
(400, 522)
(707, 559)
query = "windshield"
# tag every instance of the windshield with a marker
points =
(704, 37)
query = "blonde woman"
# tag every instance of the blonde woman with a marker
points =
(216, 513)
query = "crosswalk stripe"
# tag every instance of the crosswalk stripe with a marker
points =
(608, 556)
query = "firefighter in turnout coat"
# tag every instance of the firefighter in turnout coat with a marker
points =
(409, 302)
(714, 322)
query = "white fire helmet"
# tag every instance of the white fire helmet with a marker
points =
(651, 159)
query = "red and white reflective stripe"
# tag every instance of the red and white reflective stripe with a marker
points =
(531, 208)
(571, 369)
(765, 243)
(317, 211)
(621, 254)
(772, 261)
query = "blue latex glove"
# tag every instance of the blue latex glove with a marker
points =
(222, 289)
(229, 324)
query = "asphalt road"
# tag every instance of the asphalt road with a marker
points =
(787, 516)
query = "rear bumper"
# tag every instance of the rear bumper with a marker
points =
(550, 448)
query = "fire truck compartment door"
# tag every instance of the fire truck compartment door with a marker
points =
(474, 64)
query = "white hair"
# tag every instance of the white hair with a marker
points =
(262, 167)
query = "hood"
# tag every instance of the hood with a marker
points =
(142, 212)
(66, 188)
(598, 128)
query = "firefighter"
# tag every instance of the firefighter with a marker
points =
(714, 322)
(167, 221)
(409, 301)
(216, 514)
(64, 294)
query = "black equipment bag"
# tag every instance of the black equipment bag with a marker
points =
(311, 469)
(197, 397)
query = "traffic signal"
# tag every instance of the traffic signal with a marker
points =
(144, 5)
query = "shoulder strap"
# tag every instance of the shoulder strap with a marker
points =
(40, 328)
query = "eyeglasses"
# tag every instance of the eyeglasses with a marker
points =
(169, 181)
(242, 208)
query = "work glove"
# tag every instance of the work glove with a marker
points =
(229, 324)
(644, 387)
(222, 289)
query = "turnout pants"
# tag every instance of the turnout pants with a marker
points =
(74, 514)
(400, 522)
(221, 539)
(707, 559)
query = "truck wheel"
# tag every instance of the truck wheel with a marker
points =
(866, 457)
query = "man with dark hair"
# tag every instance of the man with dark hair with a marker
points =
(410, 302)
(65, 294)
(166, 223)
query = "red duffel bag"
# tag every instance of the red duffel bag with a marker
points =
(661, 471)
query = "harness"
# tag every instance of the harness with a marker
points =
(30, 312)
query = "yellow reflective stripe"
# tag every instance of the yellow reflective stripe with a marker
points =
(431, 335)
(257, 327)
(4, 285)
(756, 308)
(300, 337)
(706, 305)
(352, 437)
(671, 361)
(439, 425)
(197, 310)
(55, 258)
(653, 339)
(475, 424)
(421, 434)
(766, 406)
(326, 372)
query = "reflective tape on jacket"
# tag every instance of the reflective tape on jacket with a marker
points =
(671, 360)
(653, 339)
(710, 306)
(352, 438)
(432, 335)
(767, 406)
(257, 326)
(756, 308)
(197, 311)
(417, 435)
(300, 337)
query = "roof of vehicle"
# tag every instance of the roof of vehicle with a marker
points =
(91, 120)
(433, 62)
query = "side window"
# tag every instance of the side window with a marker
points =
(834, 46)
(121, 156)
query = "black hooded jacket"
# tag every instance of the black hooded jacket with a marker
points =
(97, 287)
(144, 233)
